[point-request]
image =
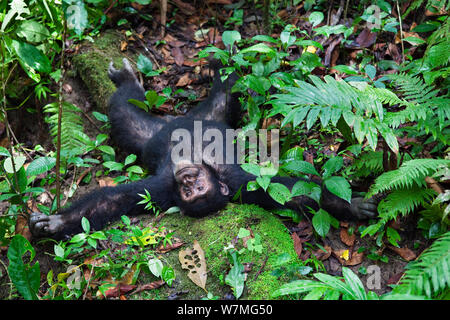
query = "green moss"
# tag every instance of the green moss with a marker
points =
(92, 65)
(216, 232)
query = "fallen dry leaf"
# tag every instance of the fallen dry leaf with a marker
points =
(178, 56)
(184, 80)
(119, 290)
(167, 248)
(123, 45)
(321, 255)
(297, 244)
(149, 286)
(194, 261)
(346, 238)
(22, 227)
(355, 258)
(405, 253)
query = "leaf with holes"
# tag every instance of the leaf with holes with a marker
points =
(194, 261)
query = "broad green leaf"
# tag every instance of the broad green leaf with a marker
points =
(340, 187)
(144, 64)
(230, 37)
(332, 166)
(4, 152)
(107, 150)
(236, 277)
(300, 166)
(279, 192)
(32, 31)
(130, 159)
(18, 163)
(316, 18)
(30, 56)
(370, 70)
(260, 48)
(40, 165)
(25, 277)
(156, 267)
(139, 104)
(321, 222)
(263, 181)
(85, 224)
(251, 168)
(354, 283)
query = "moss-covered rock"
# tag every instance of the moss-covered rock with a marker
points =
(216, 232)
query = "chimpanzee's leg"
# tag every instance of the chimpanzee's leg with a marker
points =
(131, 126)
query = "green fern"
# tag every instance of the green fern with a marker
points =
(429, 275)
(72, 135)
(411, 173)
(330, 101)
(404, 201)
(430, 3)
(369, 163)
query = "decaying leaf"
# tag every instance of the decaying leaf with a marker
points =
(298, 246)
(322, 255)
(184, 80)
(405, 253)
(194, 261)
(346, 238)
(347, 259)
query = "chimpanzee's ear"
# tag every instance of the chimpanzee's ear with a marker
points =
(224, 188)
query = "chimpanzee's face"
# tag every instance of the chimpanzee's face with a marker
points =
(194, 182)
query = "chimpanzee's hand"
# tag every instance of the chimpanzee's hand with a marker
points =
(363, 208)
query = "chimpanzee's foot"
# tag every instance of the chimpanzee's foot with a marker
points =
(125, 74)
(363, 208)
(42, 225)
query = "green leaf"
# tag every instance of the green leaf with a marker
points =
(25, 277)
(370, 70)
(4, 152)
(260, 48)
(32, 31)
(332, 166)
(315, 18)
(393, 236)
(30, 56)
(230, 37)
(18, 7)
(85, 224)
(414, 40)
(130, 159)
(139, 104)
(113, 166)
(18, 163)
(263, 181)
(300, 166)
(236, 277)
(340, 187)
(279, 192)
(107, 150)
(144, 64)
(155, 266)
(321, 222)
(354, 283)
(100, 116)
(168, 275)
(345, 69)
(40, 165)
(59, 251)
(251, 168)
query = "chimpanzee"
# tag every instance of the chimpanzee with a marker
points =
(197, 188)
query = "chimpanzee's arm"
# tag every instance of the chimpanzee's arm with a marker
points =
(359, 208)
(102, 206)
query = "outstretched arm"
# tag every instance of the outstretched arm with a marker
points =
(359, 208)
(101, 207)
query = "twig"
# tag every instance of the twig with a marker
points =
(401, 31)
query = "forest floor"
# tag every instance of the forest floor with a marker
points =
(182, 43)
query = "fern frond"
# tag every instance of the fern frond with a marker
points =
(72, 135)
(430, 273)
(404, 201)
(411, 173)
(369, 163)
